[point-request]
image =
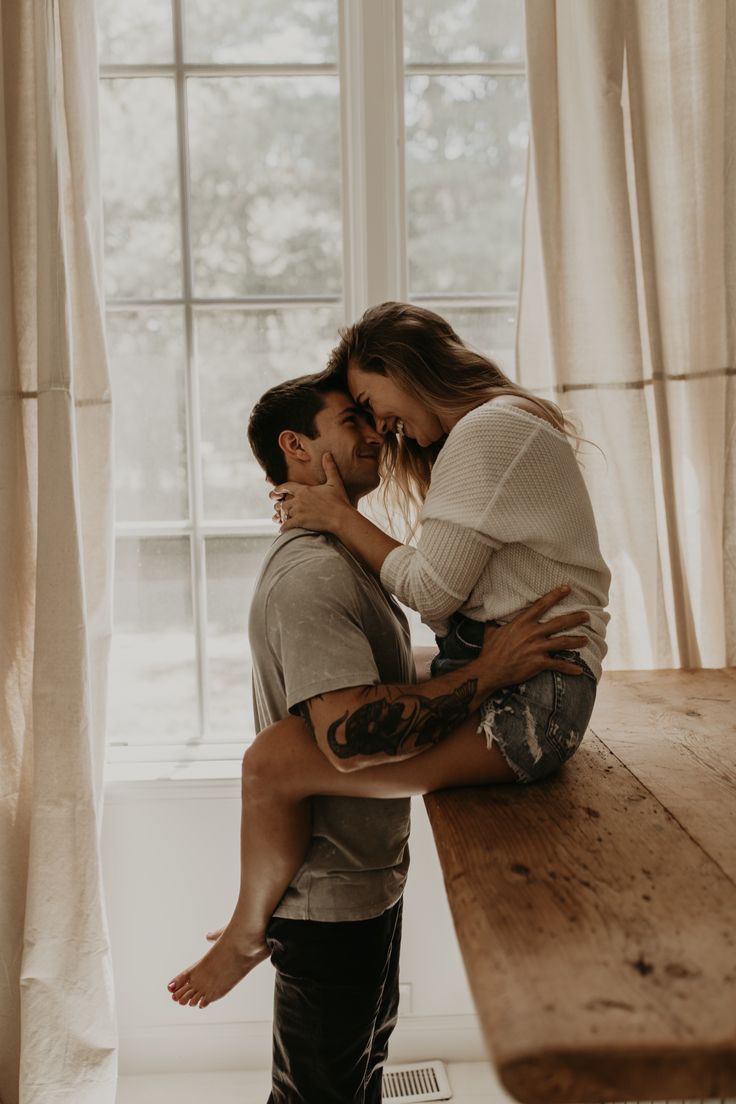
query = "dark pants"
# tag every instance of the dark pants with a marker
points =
(335, 1005)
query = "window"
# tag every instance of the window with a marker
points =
(466, 142)
(268, 171)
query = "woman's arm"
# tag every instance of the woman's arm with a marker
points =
(326, 508)
(364, 539)
(435, 578)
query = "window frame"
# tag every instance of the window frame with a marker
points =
(372, 74)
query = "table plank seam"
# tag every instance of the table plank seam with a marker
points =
(663, 807)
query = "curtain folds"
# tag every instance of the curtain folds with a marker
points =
(57, 1019)
(627, 311)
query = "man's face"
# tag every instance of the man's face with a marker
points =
(345, 431)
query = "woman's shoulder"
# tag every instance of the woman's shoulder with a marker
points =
(521, 402)
(490, 439)
(512, 417)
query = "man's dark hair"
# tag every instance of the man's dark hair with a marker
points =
(291, 405)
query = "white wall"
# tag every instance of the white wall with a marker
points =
(171, 868)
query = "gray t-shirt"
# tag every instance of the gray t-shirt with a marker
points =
(320, 622)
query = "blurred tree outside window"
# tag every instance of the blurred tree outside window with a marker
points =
(221, 168)
(466, 147)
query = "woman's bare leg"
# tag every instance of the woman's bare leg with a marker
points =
(267, 867)
(282, 770)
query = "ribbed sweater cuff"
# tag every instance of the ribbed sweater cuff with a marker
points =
(394, 566)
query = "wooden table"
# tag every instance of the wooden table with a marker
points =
(596, 911)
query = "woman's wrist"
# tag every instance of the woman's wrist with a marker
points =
(363, 538)
(343, 519)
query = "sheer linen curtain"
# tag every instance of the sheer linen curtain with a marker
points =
(628, 300)
(57, 1020)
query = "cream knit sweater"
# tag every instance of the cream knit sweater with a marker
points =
(507, 518)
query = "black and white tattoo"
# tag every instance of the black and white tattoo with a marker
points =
(391, 725)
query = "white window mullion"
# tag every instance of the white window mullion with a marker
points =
(372, 95)
(196, 510)
(252, 302)
(217, 69)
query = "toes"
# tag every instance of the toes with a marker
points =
(179, 982)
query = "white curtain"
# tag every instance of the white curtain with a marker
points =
(57, 1020)
(628, 300)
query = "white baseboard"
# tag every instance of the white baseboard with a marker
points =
(192, 1048)
(448, 1038)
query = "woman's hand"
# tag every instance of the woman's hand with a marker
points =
(321, 508)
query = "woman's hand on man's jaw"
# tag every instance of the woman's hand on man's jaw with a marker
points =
(323, 507)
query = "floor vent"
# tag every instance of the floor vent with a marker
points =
(418, 1082)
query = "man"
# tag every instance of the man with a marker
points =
(322, 629)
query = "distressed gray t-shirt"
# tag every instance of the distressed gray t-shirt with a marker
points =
(320, 622)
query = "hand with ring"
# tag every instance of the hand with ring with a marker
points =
(280, 509)
(320, 507)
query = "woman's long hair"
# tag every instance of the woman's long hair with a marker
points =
(421, 353)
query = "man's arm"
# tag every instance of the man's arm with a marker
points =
(364, 726)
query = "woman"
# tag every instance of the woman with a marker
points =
(505, 517)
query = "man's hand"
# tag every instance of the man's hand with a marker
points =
(363, 726)
(523, 648)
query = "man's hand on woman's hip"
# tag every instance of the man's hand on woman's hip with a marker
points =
(525, 646)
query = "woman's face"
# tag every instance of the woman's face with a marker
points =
(393, 408)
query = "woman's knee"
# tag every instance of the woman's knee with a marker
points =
(266, 760)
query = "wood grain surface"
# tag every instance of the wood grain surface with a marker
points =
(596, 911)
(676, 730)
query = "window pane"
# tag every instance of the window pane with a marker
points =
(140, 187)
(265, 157)
(136, 31)
(148, 362)
(466, 140)
(153, 682)
(240, 354)
(233, 564)
(463, 30)
(490, 330)
(303, 31)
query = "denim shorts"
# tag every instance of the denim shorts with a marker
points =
(538, 724)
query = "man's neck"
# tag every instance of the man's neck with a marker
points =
(353, 495)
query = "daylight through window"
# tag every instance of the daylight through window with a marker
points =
(222, 162)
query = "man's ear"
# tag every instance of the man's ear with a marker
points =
(292, 448)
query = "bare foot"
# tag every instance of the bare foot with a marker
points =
(213, 936)
(233, 956)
